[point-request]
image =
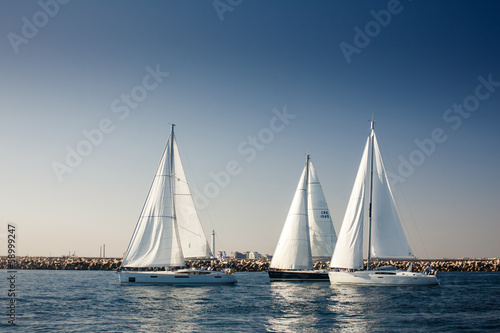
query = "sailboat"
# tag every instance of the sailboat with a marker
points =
(386, 237)
(308, 233)
(169, 230)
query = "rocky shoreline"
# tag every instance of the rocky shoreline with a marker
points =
(241, 265)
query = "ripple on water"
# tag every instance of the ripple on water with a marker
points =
(90, 301)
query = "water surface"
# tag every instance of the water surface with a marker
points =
(94, 301)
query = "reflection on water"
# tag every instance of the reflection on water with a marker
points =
(319, 307)
(355, 308)
(239, 308)
(91, 301)
(177, 307)
(350, 302)
(299, 306)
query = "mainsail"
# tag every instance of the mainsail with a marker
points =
(168, 228)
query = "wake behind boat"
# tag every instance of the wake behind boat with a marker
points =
(386, 238)
(169, 230)
(308, 232)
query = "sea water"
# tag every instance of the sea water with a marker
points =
(94, 301)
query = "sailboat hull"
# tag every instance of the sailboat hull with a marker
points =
(312, 275)
(386, 278)
(182, 277)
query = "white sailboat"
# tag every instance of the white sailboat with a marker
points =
(308, 232)
(386, 238)
(168, 230)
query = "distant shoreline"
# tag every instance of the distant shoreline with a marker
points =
(245, 265)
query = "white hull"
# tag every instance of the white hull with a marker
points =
(184, 277)
(394, 278)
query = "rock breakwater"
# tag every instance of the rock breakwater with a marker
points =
(243, 265)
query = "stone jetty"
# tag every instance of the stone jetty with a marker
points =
(243, 265)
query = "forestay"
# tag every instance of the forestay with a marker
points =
(293, 250)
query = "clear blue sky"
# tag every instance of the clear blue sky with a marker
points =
(67, 69)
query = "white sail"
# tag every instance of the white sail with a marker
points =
(321, 230)
(388, 237)
(349, 249)
(155, 241)
(293, 250)
(192, 237)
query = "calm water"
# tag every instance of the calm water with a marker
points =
(93, 301)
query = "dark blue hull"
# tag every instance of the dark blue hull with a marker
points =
(298, 275)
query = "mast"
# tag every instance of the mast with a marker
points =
(372, 132)
(307, 190)
(172, 172)
(172, 192)
(307, 204)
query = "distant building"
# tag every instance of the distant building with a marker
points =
(248, 255)
(239, 255)
(253, 255)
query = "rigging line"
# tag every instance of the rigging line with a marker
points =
(407, 206)
(416, 226)
(403, 224)
(195, 180)
(190, 231)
